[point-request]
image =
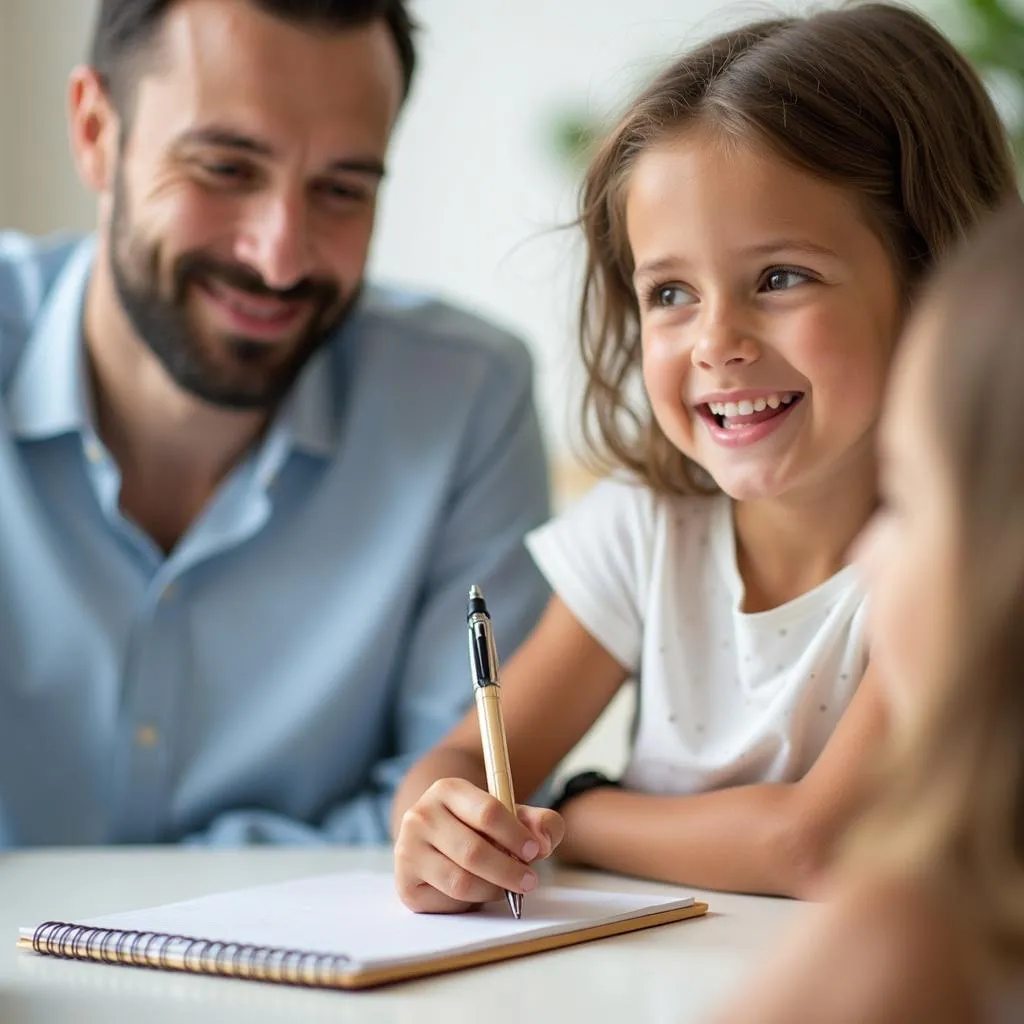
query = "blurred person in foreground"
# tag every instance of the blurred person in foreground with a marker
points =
(926, 923)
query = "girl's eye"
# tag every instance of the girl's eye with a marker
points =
(668, 296)
(782, 278)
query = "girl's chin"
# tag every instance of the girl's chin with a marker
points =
(743, 488)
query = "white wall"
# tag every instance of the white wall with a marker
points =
(42, 41)
(5, 104)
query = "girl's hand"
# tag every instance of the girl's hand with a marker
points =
(458, 847)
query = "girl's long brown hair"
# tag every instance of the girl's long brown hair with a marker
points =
(952, 801)
(871, 98)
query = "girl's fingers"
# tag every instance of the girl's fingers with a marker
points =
(547, 826)
(484, 815)
(476, 870)
(428, 888)
(452, 850)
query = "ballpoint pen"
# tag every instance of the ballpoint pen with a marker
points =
(483, 662)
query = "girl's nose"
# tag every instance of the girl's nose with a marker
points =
(722, 344)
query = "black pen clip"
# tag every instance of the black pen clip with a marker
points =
(484, 669)
(483, 655)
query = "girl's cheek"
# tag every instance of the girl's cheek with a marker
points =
(663, 377)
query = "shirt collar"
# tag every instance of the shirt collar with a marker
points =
(308, 412)
(50, 395)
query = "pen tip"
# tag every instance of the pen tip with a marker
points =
(515, 902)
(476, 604)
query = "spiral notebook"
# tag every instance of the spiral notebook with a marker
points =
(345, 930)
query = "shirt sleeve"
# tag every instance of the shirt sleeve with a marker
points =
(596, 556)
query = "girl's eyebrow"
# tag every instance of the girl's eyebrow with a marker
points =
(658, 265)
(664, 264)
(791, 245)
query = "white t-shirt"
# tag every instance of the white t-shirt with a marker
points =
(725, 697)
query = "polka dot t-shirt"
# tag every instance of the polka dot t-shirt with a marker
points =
(725, 697)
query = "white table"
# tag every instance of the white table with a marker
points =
(673, 973)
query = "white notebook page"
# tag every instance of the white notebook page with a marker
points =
(358, 915)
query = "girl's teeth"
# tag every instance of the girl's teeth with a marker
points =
(747, 407)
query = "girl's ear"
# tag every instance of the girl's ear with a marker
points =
(94, 129)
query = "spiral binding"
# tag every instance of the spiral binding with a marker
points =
(199, 956)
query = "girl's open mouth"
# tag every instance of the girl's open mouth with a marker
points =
(748, 411)
(749, 419)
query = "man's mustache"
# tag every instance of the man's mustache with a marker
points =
(245, 279)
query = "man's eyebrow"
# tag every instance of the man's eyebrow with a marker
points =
(370, 166)
(226, 138)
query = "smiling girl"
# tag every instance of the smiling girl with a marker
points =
(757, 223)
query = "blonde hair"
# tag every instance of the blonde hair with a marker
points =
(952, 800)
(871, 98)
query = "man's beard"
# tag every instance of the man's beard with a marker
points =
(230, 371)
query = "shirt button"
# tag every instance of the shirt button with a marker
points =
(147, 737)
(169, 591)
(93, 452)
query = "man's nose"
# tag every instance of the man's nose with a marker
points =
(274, 241)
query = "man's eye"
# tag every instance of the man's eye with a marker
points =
(226, 171)
(782, 278)
(342, 193)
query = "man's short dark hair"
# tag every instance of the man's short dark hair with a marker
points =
(126, 31)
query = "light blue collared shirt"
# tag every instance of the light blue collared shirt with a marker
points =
(272, 678)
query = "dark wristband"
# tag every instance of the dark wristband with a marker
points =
(577, 785)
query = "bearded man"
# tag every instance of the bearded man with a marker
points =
(242, 493)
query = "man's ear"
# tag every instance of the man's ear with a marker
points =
(94, 129)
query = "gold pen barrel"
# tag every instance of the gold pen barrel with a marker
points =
(492, 733)
(483, 660)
